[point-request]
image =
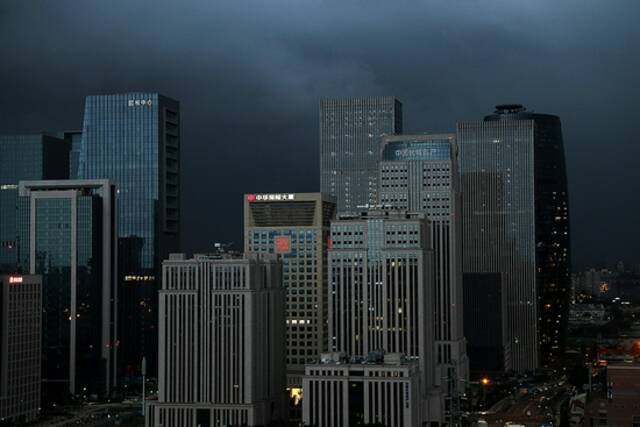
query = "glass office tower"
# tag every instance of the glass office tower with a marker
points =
(350, 135)
(516, 230)
(133, 139)
(67, 235)
(22, 157)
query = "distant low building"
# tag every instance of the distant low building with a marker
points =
(619, 405)
(587, 314)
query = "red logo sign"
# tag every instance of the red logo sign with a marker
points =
(15, 279)
(283, 244)
(251, 198)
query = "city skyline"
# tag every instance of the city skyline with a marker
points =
(321, 214)
(246, 101)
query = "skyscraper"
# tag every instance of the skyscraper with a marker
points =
(296, 228)
(419, 173)
(221, 334)
(381, 290)
(350, 135)
(23, 157)
(133, 139)
(516, 229)
(20, 324)
(66, 234)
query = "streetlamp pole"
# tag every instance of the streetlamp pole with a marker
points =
(144, 383)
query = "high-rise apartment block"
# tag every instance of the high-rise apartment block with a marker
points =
(296, 228)
(23, 157)
(350, 135)
(66, 233)
(516, 233)
(133, 140)
(20, 324)
(222, 347)
(419, 173)
(384, 390)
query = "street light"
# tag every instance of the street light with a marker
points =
(485, 381)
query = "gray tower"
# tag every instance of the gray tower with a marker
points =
(350, 135)
(516, 238)
(222, 328)
(296, 228)
(381, 291)
(419, 173)
(66, 231)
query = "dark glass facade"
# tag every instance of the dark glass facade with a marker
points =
(483, 321)
(23, 157)
(66, 235)
(74, 139)
(20, 327)
(516, 223)
(133, 139)
(351, 132)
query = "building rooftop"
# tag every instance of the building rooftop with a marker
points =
(377, 213)
(373, 358)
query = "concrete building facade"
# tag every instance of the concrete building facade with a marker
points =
(342, 393)
(221, 343)
(295, 227)
(381, 292)
(419, 173)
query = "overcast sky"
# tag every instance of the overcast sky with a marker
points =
(249, 75)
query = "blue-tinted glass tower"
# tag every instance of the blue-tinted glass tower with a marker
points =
(133, 139)
(23, 157)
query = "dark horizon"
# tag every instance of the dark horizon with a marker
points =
(249, 78)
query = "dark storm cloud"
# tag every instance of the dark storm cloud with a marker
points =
(249, 75)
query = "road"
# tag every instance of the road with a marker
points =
(94, 415)
(534, 408)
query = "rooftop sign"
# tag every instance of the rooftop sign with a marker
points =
(270, 197)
